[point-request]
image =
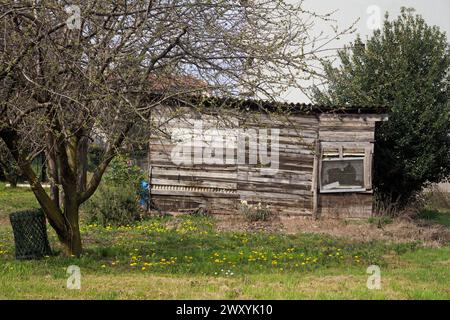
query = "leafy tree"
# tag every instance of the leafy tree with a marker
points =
(404, 67)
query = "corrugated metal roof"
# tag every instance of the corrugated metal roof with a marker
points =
(274, 106)
(215, 102)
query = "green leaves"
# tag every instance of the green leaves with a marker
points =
(122, 172)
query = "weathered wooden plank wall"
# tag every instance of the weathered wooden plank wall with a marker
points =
(291, 190)
(352, 129)
(188, 186)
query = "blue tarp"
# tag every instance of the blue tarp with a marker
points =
(143, 193)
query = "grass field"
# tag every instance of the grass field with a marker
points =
(186, 258)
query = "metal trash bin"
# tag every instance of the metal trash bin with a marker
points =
(30, 234)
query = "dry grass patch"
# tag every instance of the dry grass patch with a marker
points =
(400, 230)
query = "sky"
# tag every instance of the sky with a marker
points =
(435, 12)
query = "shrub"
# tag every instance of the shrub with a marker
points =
(201, 212)
(386, 207)
(434, 198)
(113, 205)
(122, 173)
(252, 212)
(116, 200)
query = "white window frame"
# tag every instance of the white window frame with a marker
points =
(341, 146)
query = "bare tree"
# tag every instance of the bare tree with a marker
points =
(66, 77)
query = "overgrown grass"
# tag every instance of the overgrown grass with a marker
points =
(382, 220)
(190, 245)
(438, 216)
(437, 207)
(186, 257)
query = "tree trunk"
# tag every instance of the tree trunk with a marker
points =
(82, 164)
(71, 237)
(53, 174)
(72, 240)
(62, 157)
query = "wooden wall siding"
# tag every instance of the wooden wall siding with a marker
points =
(340, 205)
(184, 203)
(291, 190)
(180, 187)
(348, 128)
(288, 191)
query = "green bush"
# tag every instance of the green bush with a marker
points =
(116, 202)
(121, 173)
(113, 205)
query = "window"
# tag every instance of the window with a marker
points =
(345, 169)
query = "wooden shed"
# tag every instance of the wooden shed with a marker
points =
(310, 159)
